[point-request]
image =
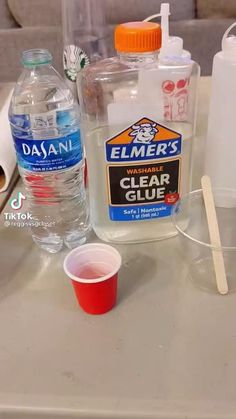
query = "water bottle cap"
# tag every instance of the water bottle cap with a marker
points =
(35, 57)
(138, 37)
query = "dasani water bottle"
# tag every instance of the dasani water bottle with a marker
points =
(44, 120)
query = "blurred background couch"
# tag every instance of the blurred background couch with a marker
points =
(26, 24)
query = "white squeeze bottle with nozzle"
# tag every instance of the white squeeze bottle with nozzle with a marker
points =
(175, 84)
(172, 46)
(221, 144)
(139, 163)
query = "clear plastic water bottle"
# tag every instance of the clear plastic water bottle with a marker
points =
(45, 125)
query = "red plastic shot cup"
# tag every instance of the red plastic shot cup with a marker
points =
(93, 269)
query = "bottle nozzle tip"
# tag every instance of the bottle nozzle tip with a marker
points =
(165, 9)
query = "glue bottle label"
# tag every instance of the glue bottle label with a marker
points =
(143, 171)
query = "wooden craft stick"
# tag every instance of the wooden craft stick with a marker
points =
(217, 255)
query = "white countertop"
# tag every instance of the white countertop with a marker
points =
(167, 350)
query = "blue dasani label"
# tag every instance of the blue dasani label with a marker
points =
(50, 154)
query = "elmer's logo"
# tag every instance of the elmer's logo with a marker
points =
(143, 140)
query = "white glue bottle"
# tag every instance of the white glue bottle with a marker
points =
(221, 144)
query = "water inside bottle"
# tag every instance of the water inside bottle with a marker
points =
(56, 198)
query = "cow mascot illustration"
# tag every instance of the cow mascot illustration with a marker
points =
(143, 133)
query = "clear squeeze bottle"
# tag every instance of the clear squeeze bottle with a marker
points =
(45, 125)
(139, 162)
(175, 85)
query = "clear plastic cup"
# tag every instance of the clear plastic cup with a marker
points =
(93, 269)
(189, 218)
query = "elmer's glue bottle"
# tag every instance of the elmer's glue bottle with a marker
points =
(221, 145)
(139, 163)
